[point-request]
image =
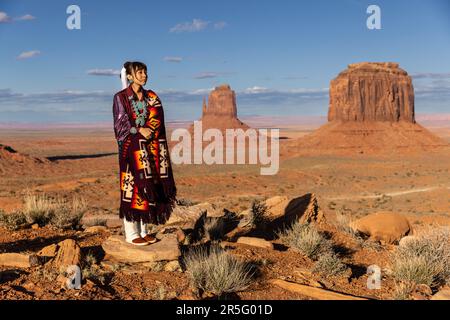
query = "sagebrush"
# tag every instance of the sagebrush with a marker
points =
(217, 271)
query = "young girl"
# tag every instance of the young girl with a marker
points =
(147, 186)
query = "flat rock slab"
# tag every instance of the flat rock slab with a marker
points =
(315, 293)
(164, 250)
(16, 260)
(256, 242)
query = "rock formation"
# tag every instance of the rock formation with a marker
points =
(372, 92)
(371, 112)
(220, 111)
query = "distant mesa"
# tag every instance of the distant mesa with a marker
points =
(220, 111)
(371, 111)
(372, 92)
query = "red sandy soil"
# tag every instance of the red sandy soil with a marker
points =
(85, 164)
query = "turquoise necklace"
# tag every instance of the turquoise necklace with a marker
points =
(139, 108)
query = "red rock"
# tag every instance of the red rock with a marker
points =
(372, 92)
(387, 227)
(69, 254)
(221, 111)
(371, 112)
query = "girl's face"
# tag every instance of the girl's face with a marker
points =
(139, 77)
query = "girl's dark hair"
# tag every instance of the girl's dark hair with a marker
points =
(131, 66)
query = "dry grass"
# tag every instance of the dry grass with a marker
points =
(330, 264)
(403, 291)
(38, 208)
(305, 238)
(12, 221)
(62, 214)
(68, 215)
(217, 271)
(91, 270)
(424, 260)
(343, 224)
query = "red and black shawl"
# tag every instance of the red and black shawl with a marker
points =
(147, 186)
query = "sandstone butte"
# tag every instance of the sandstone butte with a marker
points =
(371, 111)
(221, 111)
(372, 92)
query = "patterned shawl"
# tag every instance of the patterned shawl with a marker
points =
(148, 190)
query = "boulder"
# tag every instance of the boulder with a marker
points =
(284, 211)
(386, 227)
(165, 249)
(69, 253)
(186, 216)
(48, 251)
(256, 242)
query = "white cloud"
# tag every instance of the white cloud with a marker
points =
(26, 17)
(220, 25)
(194, 26)
(28, 54)
(255, 90)
(201, 91)
(206, 75)
(103, 72)
(4, 17)
(431, 75)
(173, 59)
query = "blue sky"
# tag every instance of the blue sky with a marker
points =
(279, 56)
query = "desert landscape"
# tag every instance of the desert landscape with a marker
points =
(365, 187)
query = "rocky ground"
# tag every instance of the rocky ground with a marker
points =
(412, 186)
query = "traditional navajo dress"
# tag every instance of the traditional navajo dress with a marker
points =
(147, 186)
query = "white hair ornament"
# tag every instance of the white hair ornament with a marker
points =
(123, 77)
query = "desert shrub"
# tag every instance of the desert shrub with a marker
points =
(258, 213)
(59, 213)
(425, 259)
(217, 271)
(305, 238)
(12, 221)
(68, 215)
(38, 209)
(343, 224)
(91, 270)
(330, 264)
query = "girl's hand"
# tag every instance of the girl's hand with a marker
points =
(146, 132)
